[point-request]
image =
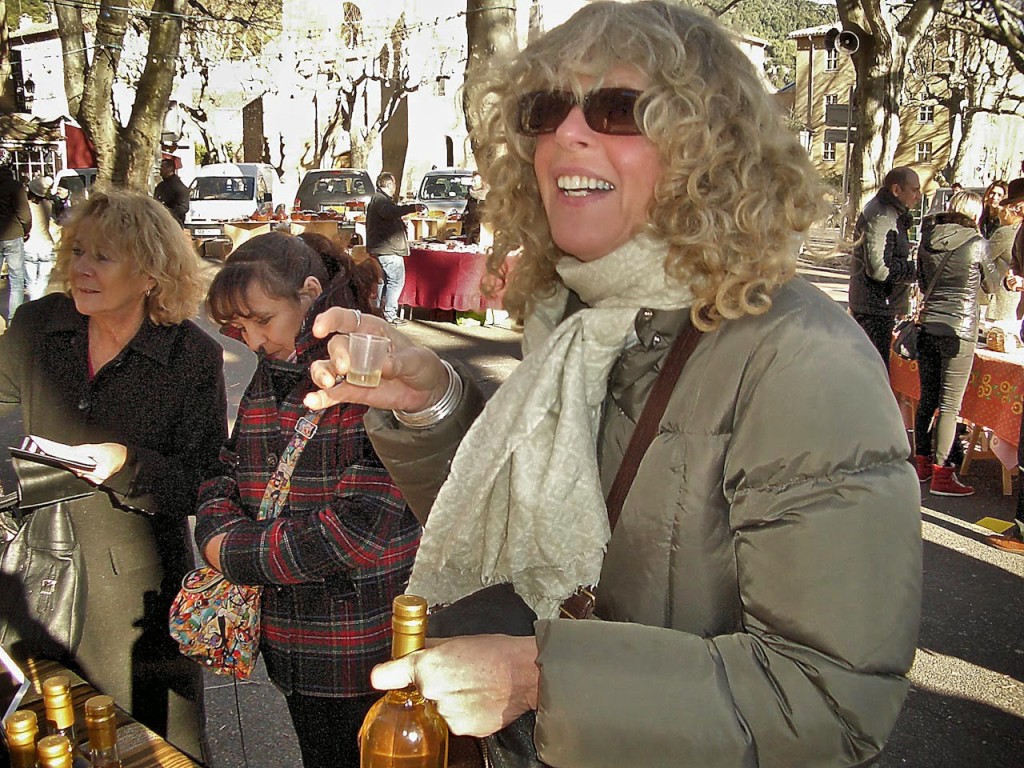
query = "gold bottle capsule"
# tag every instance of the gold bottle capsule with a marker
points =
(54, 752)
(22, 729)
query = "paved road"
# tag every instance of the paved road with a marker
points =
(966, 705)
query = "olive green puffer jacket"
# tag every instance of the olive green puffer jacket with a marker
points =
(761, 593)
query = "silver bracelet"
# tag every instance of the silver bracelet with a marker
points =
(440, 410)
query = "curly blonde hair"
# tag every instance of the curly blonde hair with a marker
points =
(737, 190)
(140, 230)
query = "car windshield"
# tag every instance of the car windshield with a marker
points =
(224, 188)
(446, 187)
(340, 185)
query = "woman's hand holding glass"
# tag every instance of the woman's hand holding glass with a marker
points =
(413, 378)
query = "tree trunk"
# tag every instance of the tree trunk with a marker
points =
(140, 139)
(7, 102)
(886, 44)
(490, 30)
(96, 111)
(72, 43)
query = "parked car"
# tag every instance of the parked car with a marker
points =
(445, 189)
(228, 192)
(332, 189)
(941, 197)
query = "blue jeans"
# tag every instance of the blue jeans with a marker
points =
(391, 286)
(14, 252)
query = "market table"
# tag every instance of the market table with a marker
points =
(993, 401)
(443, 277)
(138, 746)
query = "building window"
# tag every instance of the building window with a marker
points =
(828, 151)
(831, 60)
(926, 113)
(924, 151)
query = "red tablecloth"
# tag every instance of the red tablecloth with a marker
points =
(994, 391)
(444, 279)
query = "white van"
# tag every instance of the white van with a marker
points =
(228, 192)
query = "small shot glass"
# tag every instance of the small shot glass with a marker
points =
(366, 357)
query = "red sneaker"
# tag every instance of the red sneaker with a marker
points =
(945, 483)
(923, 465)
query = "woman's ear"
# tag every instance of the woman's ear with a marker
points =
(311, 288)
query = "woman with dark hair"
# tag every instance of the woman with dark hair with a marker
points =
(954, 256)
(114, 366)
(991, 203)
(761, 589)
(343, 545)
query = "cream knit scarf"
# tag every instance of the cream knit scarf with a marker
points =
(523, 500)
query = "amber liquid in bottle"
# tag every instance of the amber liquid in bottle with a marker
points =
(101, 724)
(21, 731)
(403, 729)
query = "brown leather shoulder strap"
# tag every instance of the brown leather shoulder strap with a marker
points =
(650, 418)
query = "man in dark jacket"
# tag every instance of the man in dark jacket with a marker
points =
(172, 191)
(387, 241)
(15, 224)
(882, 271)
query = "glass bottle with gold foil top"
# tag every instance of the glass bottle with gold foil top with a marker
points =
(54, 752)
(21, 731)
(403, 729)
(60, 717)
(101, 723)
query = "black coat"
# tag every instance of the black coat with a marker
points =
(15, 216)
(881, 270)
(385, 230)
(173, 193)
(163, 397)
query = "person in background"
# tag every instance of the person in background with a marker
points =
(15, 224)
(39, 247)
(643, 176)
(881, 271)
(1013, 540)
(955, 256)
(992, 201)
(471, 216)
(171, 191)
(955, 187)
(114, 367)
(1004, 303)
(343, 545)
(388, 242)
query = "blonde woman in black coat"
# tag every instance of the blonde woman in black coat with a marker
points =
(114, 367)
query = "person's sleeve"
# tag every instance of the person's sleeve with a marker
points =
(388, 209)
(1017, 252)
(24, 212)
(364, 526)
(180, 203)
(14, 345)
(827, 546)
(420, 459)
(992, 270)
(166, 484)
(885, 259)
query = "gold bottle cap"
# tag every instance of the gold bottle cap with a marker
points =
(21, 721)
(99, 708)
(22, 728)
(50, 747)
(408, 624)
(56, 688)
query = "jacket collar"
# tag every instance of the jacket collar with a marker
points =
(153, 341)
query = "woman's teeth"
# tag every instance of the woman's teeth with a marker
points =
(578, 186)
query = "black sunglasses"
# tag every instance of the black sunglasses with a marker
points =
(610, 111)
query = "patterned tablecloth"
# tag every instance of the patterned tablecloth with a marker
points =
(443, 278)
(994, 391)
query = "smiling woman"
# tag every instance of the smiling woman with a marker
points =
(114, 367)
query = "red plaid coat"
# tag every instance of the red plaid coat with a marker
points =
(339, 552)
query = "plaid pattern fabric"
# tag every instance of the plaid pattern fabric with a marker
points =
(337, 555)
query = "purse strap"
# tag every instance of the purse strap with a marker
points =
(580, 604)
(276, 493)
(650, 418)
(932, 284)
